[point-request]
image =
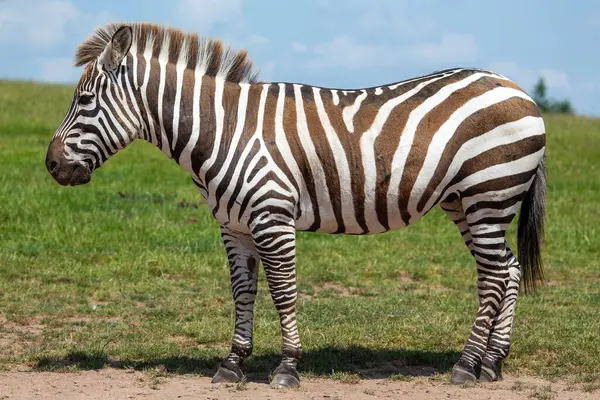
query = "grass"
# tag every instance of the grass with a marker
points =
(130, 272)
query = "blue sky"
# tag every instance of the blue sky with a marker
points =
(336, 43)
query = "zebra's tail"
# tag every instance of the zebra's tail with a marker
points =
(531, 230)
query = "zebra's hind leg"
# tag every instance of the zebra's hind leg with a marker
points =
(455, 211)
(275, 241)
(468, 372)
(243, 267)
(485, 238)
(499, 342)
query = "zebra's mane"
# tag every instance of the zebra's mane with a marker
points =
(208, 55)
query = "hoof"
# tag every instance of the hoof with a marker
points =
(226, 375)
(490, 371)
(285, 381)
(285, 377)
(463, 373)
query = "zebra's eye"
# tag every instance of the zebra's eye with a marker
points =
(85, 99)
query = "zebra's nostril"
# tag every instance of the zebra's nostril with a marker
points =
(52, 166)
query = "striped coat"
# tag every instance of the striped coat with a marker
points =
(275, 158)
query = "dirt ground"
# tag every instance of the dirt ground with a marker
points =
(108, 384)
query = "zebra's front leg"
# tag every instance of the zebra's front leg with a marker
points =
(243, 267)
(498, 346)
(276, 244)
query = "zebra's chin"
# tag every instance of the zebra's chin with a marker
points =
(75, 179)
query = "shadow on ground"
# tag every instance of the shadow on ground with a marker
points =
(367, 363)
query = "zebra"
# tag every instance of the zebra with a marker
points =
(274, 158)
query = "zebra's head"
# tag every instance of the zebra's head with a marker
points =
(101, 119)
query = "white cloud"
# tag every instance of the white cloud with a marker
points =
(42, 27)
(204, 14)
(452, 48)
(299, 47)
(42, 23)
(391, 32)
(392, 18)
(379, 18)
(58, 70)
(345, 52)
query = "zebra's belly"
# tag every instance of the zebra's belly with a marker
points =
(366, 220)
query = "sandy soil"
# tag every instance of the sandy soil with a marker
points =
(123, 384)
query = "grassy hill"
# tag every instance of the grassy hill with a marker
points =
(130, 271)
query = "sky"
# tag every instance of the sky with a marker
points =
(336, 43)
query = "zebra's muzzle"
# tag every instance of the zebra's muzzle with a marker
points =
(65, 172)
(69, 174)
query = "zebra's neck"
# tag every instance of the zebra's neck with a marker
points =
(188, 113)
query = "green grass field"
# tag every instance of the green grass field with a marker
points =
(129, 271)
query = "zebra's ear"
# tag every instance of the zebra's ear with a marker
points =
(116, 50)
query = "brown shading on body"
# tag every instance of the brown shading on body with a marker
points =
(272, 194)
(147, 115)
(186, 111)
(425, 131)
(269, 135)
(343, 99)
(258, 166)
(324, 153)
(351, 144)
(364, 117)
(152, 97)
(251, 120)
(250, 124)
(388, 140)
(384, 148)
(498, 183)
(141, 70)
(230, 102)
(387, 94)
(125, 80)
(499, 155)
(495, 204)
(139, 73)
(475, 125)
(204, 144)
(241, 180)
(290, 126)
(168, 100)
